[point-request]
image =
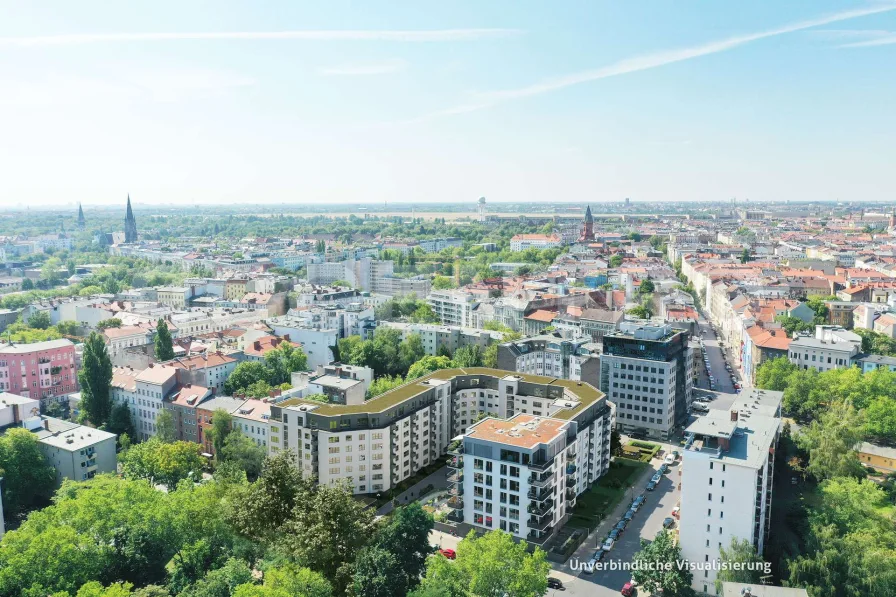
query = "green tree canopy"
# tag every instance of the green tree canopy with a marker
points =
(493, 564)
(165, 463)
(28, 477)
(40, 320)
(95, 379)
(670, 579)
(164, 345)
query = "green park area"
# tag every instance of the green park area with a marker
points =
(602, 498)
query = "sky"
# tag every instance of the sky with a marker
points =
(418, 101)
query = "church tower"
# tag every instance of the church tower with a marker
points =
(588, 228)
(81, 222)
(130, 225)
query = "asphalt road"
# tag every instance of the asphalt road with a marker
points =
(648, 521)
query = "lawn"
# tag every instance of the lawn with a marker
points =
(602, 498)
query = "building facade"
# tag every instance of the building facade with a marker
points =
(576, 359)
(378, 444)
(40, 370)
(647, 372)
(727, 466)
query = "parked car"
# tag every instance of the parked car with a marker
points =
(656, 477)
(664, 468)
(676, 511)
(628, 515)
(614, 534)
(638, 502)
(651, 485)
(449, 553)
(668, 522)
(669, 459)
(620, 526)
(608, 544)
(554, 583)
(628, 589)
(676, 454)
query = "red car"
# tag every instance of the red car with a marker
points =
(628, 589)
(448, 553)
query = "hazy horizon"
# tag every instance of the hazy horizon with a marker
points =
(518, 101)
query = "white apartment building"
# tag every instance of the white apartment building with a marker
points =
(521, 242)
(434, 245)
(204, 321)
(349, 319)
(76, 452)
(252, 419)
(453, 307)
(209, 370)
(315, 342)
(376, 445)
(121, 338)
(144, 392)
(726, 472)
(830, 348)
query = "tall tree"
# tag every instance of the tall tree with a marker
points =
(428, 364)
(164, 343)
(326, 531)
(164, 463)
(245, 374)
(120, 422)
(407, 538)
(40, 320)
(28, 477)
(222, 425)
(493, 564)
(773, 373)
(468, 356)
(831, 443)
(244, 453)
(95, 379)
(378, 573)
(165, 430)
(671, 579)
(283, 361)
(743, 564)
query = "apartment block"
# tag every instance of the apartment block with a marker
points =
(727, 467)
(76, 452)
(549, 355)
(40, 370)
(435, 337)
(145, 393)
(830, 348)
(452, 307)
(647, 372)
(376, 445)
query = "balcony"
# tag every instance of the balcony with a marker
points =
(570, 469)
(457, 476)
(570, 482)
(456, 448)
(539, 509)
(540, 522)
(571, 494)
(571, 452)
(540, 494)
(539, 537)
(540, 466)
(540, 480)
(456, 503)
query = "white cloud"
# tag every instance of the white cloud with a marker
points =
(367, 69)
(858, 38)
(482, 100)
(433, 35)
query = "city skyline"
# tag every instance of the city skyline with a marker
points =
(578, 103)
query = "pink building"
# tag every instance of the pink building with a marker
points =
(41, 370)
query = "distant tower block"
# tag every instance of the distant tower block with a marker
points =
(482, 209)
(628, 202)
(81, 221)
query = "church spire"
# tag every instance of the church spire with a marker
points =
(130, 224)
(81, 221)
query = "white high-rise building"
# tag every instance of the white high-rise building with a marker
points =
(453, 307)
(726, 472)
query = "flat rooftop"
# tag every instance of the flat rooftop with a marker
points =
(522, 431)
(749, 438)
(585, 393)
(69, 436)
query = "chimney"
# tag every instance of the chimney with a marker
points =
(257, 345)
(734, 415)
(46, 424)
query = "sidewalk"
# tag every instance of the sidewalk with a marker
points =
(439, 480)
